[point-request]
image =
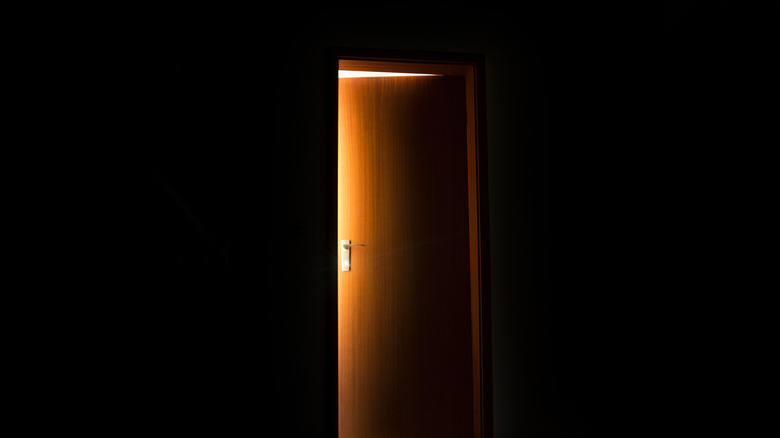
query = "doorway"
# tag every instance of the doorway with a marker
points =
(413, 323)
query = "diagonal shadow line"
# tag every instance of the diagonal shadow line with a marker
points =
(185, 208)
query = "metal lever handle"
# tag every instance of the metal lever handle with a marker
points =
(345, 254)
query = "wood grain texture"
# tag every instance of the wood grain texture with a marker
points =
(406, 364)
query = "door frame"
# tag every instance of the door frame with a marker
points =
(472, 67)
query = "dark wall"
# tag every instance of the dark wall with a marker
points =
(717, 79)
(217, 254)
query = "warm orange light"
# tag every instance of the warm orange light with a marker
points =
(376, 74)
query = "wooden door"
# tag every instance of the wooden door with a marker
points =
(405, 352)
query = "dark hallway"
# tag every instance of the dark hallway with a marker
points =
(216, 306)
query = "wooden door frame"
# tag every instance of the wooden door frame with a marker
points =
(472, 67)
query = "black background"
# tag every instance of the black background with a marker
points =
(202, 296)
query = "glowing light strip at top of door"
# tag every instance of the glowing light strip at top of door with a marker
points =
(376, 74)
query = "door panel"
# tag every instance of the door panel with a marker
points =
(404, 316)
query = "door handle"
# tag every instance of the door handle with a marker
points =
(346, 249)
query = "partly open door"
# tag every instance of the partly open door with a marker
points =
(411, 300)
